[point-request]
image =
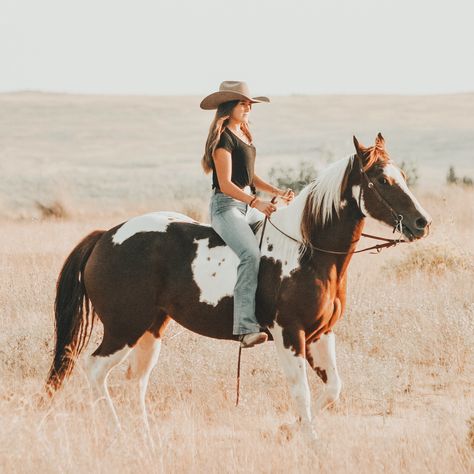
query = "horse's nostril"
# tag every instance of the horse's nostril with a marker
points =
(421, 223)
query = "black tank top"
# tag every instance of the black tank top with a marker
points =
(243, 160)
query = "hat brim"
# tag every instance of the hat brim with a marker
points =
(212, 101)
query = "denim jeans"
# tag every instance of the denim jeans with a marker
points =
(231, 219)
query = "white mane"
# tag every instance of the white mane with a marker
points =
(324, 194)
(325, 190)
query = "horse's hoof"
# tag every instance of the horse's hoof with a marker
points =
(310, 433)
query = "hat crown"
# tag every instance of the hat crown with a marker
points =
(239, 87)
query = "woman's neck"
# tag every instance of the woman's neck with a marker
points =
(234, 126)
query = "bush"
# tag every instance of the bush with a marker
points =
(433, 259)
(294, 178)
(411, 171)
(451, 178)
(54, 210)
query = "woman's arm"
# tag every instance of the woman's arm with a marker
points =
(259, 183)
(287, 194)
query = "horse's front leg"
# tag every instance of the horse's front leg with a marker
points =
(321, 355)
(290, 346)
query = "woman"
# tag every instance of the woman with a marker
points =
(230, 155)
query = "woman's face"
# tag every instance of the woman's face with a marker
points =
(240, 112)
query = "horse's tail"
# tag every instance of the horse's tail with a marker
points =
(74, 317)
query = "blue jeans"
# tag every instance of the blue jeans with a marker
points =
(230, 218)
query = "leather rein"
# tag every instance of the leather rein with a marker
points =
(398, 226)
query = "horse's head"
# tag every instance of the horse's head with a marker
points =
(383, 192)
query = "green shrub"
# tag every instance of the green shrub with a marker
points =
(295, 178)
(411, 171)
(451, 178)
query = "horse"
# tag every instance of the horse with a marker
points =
(140, 274)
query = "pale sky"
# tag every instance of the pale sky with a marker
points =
(279, 47)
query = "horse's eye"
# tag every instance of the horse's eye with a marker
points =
(383, 180)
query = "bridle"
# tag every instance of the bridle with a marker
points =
(398, 218)
(398, 222)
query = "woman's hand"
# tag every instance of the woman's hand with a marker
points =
(265, 206)
(287, 195)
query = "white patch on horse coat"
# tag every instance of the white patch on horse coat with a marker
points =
(284, 249)
(323, 353)
(393, 172)
(215, 271)
(355, 195)
(153, 222)
(295, 371)
(98, 368)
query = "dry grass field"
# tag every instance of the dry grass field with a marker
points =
(404, 346)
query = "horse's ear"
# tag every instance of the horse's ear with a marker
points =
(360, 149)
(380, 141)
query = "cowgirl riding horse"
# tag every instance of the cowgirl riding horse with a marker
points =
(230, 154)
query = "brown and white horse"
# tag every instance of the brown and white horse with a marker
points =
(138, 275)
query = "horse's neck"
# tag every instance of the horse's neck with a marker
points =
(342, 235)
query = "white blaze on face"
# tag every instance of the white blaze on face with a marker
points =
(214, 271)
(153, 222)
(391, 171)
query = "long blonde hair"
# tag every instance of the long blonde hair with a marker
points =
(221, 119)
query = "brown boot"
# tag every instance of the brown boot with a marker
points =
(252, 339)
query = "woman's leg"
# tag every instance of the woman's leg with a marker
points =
(230, 223)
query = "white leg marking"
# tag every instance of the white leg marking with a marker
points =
(153, 222)
(214, 271)
(323, 355)
(295, 370)
(142, 360)
(98, 368)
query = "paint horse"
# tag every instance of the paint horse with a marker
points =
(140, 274)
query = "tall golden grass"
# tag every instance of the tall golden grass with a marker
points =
(404, 353)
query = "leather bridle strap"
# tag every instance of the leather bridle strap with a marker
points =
(371, 185)
(388, 243)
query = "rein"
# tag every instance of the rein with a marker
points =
(398, 225)
(378, 247)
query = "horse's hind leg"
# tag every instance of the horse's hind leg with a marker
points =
(109, 354)
(144, 357)
(321, 356)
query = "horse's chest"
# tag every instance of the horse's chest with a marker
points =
(214, 271)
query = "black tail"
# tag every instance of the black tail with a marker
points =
(73, 315)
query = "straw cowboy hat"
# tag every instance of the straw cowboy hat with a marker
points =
(230, 90)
